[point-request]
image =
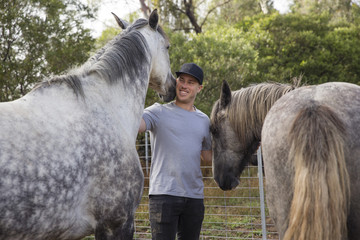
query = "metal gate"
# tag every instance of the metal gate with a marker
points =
(237, 214)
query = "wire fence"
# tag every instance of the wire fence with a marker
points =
(237, 214)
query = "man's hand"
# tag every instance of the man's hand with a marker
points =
(206, 156)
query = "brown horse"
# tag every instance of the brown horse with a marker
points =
(310, 141)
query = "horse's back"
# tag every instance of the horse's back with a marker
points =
(344, 100)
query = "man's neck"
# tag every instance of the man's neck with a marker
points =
(186, 106)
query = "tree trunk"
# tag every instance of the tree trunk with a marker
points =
(145, 9)
(190, 13)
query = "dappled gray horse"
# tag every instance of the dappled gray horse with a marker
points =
(310, 141)
(68, 163)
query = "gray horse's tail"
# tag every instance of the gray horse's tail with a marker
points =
(320, 203)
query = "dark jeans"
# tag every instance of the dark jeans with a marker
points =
(170, 215)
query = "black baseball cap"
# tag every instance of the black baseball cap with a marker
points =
(193, 70)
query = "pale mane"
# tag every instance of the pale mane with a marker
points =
(249, 107)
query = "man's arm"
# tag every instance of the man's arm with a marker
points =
(206, 156)
(142, 127)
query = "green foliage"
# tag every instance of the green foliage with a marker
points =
(310, 45)
(40, 38)
(337, 9)
(237, 10)
(108, 34)
(172, 13)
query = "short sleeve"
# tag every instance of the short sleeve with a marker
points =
(151, 116)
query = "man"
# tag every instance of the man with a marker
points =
(179, 137)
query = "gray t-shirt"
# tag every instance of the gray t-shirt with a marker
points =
(177, 139)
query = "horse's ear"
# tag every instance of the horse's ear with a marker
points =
(122, 23)
(225, 95)
(154, 19)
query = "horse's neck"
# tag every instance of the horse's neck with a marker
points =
(249, 119)
(124, 99)
(265, 103)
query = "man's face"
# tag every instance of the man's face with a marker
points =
(187, 87)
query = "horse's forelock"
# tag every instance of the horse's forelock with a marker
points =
(142, 22)
(136, 25)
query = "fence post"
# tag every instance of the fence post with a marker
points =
(262, 198)
(146, 153)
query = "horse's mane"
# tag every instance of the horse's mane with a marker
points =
(120, 57)
(250, 105)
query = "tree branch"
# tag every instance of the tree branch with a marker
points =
(263, 6)
(144, 8)
(213, 9)
(190, 14)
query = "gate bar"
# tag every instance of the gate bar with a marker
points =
(261, 189)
